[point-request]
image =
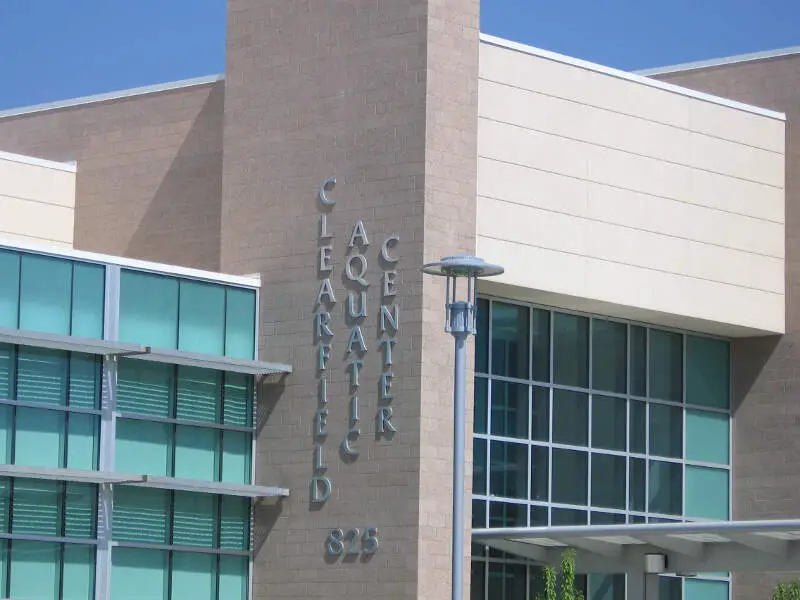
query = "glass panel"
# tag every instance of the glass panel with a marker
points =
(669, 588)
(195, 521)
(39, 440)
(240, 323)
(666, 484)
(666, 430)
(638, 430)
(541, 345)
(148, 309)
(497, 584)
(6, 432)
(88, 299)
(143, 447)
(199, 394)
(638, 361)
(516, 581)
(236, 450)
(5, 496)
(42, 376)
(536, 583)
(37, 507)
(609, 356)
(477, 582)
(608, 481)
(478, 514)
(196, 452)
(508, 470)
(238, 402)
(538, 516)
(7, 370)
(78, 576)
(602, 518)
(80, 511)
(232, 577)
(707, 437)
(45, 294)
(568, 516)
(83, 441)
(571, 350)
(193, 576)
(482, 337)
(85, 382)
(707, 372)
(510, 340)
(609, 416)
(570, 476)
(141, 515)
(666, 365)
(478, 466)
(570, 417)
(137, 574)
(707, 493)
(145, 388)
(235, 523)
(509, 416)
(201, 318)
(697, 589)
(539, 472)
(502, 514)
(606, 587)
(638, 484)
(540, 425)
(34, 570)
(481, 405)
(9, 291)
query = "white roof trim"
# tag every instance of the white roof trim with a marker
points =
(635, 78)
(248, 281)
(689, 547)
(721, 62)
(117, 95)
(69, 167)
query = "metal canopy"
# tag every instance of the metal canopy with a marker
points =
(209, 361)
(66, 342)
(689, 547)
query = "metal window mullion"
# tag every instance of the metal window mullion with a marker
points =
(683, 427)
(63, 532)
(647, 422)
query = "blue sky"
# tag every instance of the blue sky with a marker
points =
(57, 49)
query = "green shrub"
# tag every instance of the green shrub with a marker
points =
(560, 585)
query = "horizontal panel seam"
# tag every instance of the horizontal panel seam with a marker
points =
(620, 187)
(631, 153)
(606, 260)
(612, 223)
(633, 116)
(37, 201)
(36, 237)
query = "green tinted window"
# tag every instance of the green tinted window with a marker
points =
(509, 414)
(233, 577)
(240, 323)
(141, 515)
(510, 329)
(238, 400)
(609, 356)
(88, 298)
(608, 481)
(707, 437)
(195, 520)
(143, 447)
(199, 395)
(666, 365)
(34, 572)
(148, 309)
(666, 430)
(196, 452)
(145, 388)
(42, 376)
(609, 418)
(137, 574)
(666, 487)
(481, 337)
(570, 417)
(193, 576)
(201, 325)
(571, 350)
(45, 294)
(77, 579)
(707, 493)
(235, 523)
(697, 589)
(9, 291)
(509, 470)
(707, 372)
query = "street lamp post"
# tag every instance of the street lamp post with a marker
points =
(460, 320)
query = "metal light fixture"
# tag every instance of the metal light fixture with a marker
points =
(460, 320)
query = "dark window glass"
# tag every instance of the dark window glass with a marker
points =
(609, 356)
(536, 581)
(609, 416)
(482, 337)
(478, 466)
(666, 365)
(508, 470)
(516, 581)
(638, 361)
(666, 488)
(510, 409)
(571, 350)
(510, 330)
(538, 516)
(570, 479)
(478, 514)
(570, 418)
(539, 472)
(497, 580)
(637, 519)
(541, 414)
(669, 588)
(608, 481)
(503, 514)
(637, 485)
(666, 430)
(477, 588)
(541, 345)
(568, 516)
(481, 404)
(707, 372)
(606, 587)
(601, 518)
(638, 426)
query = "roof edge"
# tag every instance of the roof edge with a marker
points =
(628, 76)
(69, 167)
(720, 62)
(116, 95)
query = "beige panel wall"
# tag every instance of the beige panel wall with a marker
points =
(603, 193)
(37, 201)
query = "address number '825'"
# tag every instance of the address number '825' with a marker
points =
(352, 542)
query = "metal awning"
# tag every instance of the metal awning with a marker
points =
(137, 351)
(688, 547)
(266, 494)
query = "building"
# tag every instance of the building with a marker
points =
(179, 250)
